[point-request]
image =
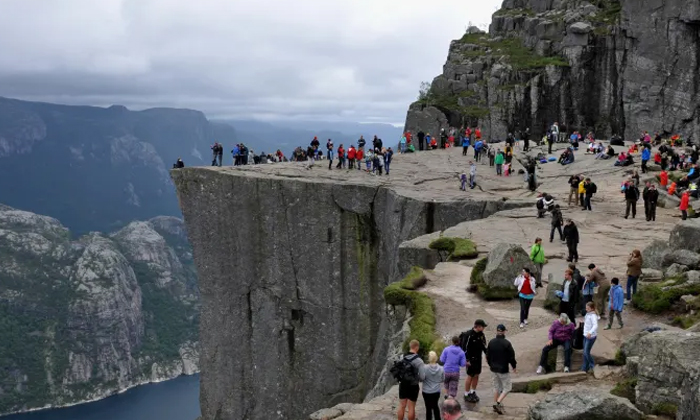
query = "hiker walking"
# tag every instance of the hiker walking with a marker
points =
(473, 342)
(453, 359)
(646, 155)
(616, 304)
(560, 334)
(498, 161)
(500, 355)
(574, 182)
(537, 257)
(526, 139)
(557, 222)
(634, 270)
(432, 375)
(685, 203)
(653, 198)
(526, 294)
(590, 188)
(631, 197)
(472, 174)
(572, 239)
(407, 371)
(341, 157)
(590, 333)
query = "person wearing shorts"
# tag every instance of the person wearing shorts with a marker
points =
(500, 355)
(408, 391)
(453, 359)
(473, 342)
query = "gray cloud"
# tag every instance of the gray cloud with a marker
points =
(359, 60)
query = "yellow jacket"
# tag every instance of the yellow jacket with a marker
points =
(581, 190)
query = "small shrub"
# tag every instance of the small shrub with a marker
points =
(664, 409)
(456, 248)
(477, 276)
(620, 358)
(686, 321)
(626, 389)
(536, 386)
(654, 300)
(415, 279)
(443, 243)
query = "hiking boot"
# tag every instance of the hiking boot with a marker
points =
(607, 327)
(522, 325)
(475, 398)
(539, 370)
(498, 408)
(622, 325)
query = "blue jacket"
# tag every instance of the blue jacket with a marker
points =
(453, 358)
(478, 145)
(617, 298)
(646, 154)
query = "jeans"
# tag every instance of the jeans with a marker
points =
(472, 180)
(644, 166)
(432, 406)
(586, 299)
(386, 166)
(632, 286)
(465, 149)
(402, 147)
(582, 200)
(588, 363)
(554, 345)
(499, 169)
(587, 203)
(551, 233)
(524, 309)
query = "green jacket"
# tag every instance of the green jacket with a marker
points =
(500, 158)
(537, 254)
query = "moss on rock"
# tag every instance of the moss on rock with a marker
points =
(654, 299)
(457, 248)
(540, 385)
(421, 308)
(664, 409)
(626, 389)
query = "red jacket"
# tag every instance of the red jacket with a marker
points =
(341, 152)
(359, 154)
(663, 178)
(351, 153)
(685, 199)
(408, 137)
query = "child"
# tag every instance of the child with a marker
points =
(506, 169)
(617, 301)
(472, 174)
(463, 179)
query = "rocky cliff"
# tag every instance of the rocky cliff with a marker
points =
(611, 66)
(292, 262)
(81, 319)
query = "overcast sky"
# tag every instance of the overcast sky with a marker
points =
(355, 60)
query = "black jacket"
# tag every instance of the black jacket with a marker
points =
(590, 188)
(631, 193)
(500, 354)
(557, 217)
(573, 290)
(571, 234)
(574, 181)
(652, 196)
(473, 343)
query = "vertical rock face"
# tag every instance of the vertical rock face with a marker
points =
(292, 271)
(85, 318)
(610, 66)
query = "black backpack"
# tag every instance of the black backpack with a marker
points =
(404, 371)
(577, 342)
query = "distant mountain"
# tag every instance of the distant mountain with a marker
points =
(98, 168)
(286, 135)
(84, 318)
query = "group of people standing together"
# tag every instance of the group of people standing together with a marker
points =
(377, 159)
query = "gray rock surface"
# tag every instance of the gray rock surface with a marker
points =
(686, 235)
(584, 404)
(654, 254)
(505, 263)
(301, 307)
(668, 370)
(650, 275)
(684, 257)
(675, 270)
(102, 293)
(611, 84)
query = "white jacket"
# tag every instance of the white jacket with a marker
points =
(520, 280)
(590, 325)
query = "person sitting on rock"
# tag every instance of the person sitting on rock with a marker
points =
(178, 164)
(560, 334)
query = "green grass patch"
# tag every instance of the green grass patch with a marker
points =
(515, 52)
(477, 276)
(686, 321)
(626, 389)
(422, 310)
(609, 12)
(456, 248)
(620, 358)
(515, 12)
(664, 409)
(652, 299)
(414, 279)
(541, 385)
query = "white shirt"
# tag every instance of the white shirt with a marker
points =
(590, 325)
(565, 298)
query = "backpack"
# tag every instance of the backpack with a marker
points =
(403, 370)
(592, 189)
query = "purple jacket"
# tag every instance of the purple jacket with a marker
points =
(561, 332)
(453, 358)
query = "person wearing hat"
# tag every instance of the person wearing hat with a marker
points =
(499, 355)
(473, 342)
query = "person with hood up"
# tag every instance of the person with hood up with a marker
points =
(432, 375)
(685, 204)
(616, 304)
(634, 270)
(453, 359)
(557, 222)
(526, 294)
(560, 334)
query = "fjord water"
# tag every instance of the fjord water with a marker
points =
(177, 399)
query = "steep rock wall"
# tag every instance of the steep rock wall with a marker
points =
(608, 66)
(291, 272)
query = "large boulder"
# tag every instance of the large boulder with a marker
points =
(584, 404)
(653, 255)
(668, 370)
(650, 275)
(551, 300)
(684, 257)
(686, 235)
(675, 270)
(505, 263)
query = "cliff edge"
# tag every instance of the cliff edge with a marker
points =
(292, 262)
